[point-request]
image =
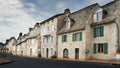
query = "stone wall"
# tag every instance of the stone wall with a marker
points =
(110, 37)
(71, 45)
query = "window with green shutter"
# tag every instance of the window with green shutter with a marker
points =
(80, 36)
(64, 38)
(95, 48)
(105, 48)
(73, 37)
(77, 36)
(98, 31)
(100, 48)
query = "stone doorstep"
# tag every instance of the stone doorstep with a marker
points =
(4, 61)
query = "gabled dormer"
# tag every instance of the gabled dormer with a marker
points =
(67, 23)
(98, 16)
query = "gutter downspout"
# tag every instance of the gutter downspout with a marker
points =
(117, 34)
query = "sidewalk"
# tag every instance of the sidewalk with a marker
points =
(5, 61)
(113, 62)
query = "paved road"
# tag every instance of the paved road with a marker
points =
(22, 62)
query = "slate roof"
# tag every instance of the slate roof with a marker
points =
(108, 17)
(79, 18)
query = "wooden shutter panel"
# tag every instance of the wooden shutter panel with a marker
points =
(73, 37)
(66, 38)
(94, 31)
(62, 38)
(102, 31)
(80, 38)
(105, 48)
(95, 48)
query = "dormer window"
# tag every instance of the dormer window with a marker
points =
(98, 15)
(67, 21)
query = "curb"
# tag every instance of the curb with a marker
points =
(6, 62)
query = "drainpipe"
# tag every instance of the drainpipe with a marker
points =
(117, 34)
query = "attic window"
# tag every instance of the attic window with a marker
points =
(67, 21)
(98, 15)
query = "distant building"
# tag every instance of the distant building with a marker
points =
(1, 46)
(10, 45)
(29, 44)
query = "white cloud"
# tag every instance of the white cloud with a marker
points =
(61, 6)
(12, 12)
(101, 2)
(32, 7)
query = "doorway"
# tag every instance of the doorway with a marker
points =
(65, 53)
(47, 51)
(76, 53)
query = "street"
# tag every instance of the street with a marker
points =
(24, 62)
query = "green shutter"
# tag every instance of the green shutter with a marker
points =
(95, 48)
(62, 38)
(80, 38)
(66, 38)
(73, 37)
(94, 31)
(105, 48)
(102, 31)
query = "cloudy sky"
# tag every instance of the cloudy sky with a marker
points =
(18, 15)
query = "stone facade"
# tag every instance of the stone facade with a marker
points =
(49, 30)
(10, 45)
(71, 46)
(28, 44)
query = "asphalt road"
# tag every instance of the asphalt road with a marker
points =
(23, 62)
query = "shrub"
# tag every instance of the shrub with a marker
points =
(54, 56)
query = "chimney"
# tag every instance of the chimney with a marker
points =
(67, 11)
(30, 29)
(20, 34)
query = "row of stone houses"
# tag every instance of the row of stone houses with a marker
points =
(89, 33)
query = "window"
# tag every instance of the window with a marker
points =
(47, 39)
(51, 38)
(67, 20)
(64, 38)
(52, 27)
(99, 16)
(42, 50)
(47, 28)
(43, 40)
(98, 31)
(33, 41)
(77, 36)
(101, 48)
(51, 51)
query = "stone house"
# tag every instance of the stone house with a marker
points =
(33, 41)
(18, 44)
(71, 37)
(48, 32)
(10, 45)
(98, 37)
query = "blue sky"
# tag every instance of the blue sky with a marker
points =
(18, 15)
